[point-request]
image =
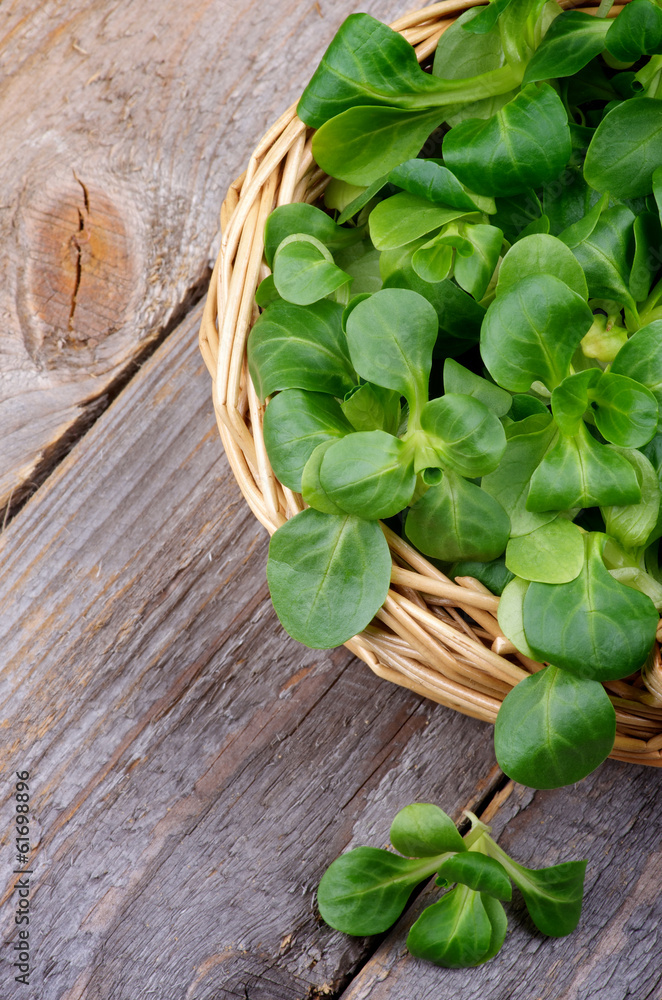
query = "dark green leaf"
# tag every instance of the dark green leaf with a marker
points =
(526, 444)
(466, 436)
(640, 358)
(369, 474)
(295, 423)
(404, 217)
(455, 933)
(391, 336)
(431, 180)
(492, 575)
(366, 890)
(302, 218)
(475, 272)
(304, 270)
(579, 471)
(297, 347)
(606, 256)
(541, 254)
(625, 411)
(626, 149)
(458, 379)
(457, 520)
(423, 830)
(572, 40)
(328, 576)
(553, 729)
(478, 872)
(637, 31)
(371, 408)
(524, 145)
(531, 332)
(594, 626)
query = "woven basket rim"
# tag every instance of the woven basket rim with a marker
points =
(420, 639)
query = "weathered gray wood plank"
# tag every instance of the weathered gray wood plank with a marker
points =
(122, 126)
(193, 769)
(612, 819)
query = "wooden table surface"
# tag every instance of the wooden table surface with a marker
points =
(192, 769)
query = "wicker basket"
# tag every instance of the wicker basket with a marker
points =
(418, 639)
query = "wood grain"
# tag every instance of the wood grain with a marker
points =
(123, 124)
(193, 769)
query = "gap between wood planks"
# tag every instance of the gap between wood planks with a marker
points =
(97, 407)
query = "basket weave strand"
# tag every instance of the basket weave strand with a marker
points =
(421, 638)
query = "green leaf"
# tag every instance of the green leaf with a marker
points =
(625, 411)
(432, 181)
(466, 436)
(457, 520)
(553, 729)
(492, 575)
(304, 270)
(328, 576)
(582, 228)
(626, 149)
(478, 872)
(361, 263)
(474, 272)
(572, 40)
(571, 398)
(579, 471)
(362, 199)
(526, 444)
(423, 830)
(531, 332)
(455, 933)
(404, 217)
(459, 52)
(369, 474)
(553, 896)
(302, 218)
(594, 627)
(606, 256)
(640, 358)
(372, 408)
(524, 145)
(458, 379)
(361, 144)
(433, 261)
(633, 524)
(541, 254)
(297, 347)
(510, 615)
(295, 423)
(638, 31)
(391, 336)
(647, 240)
(366, 890)
(312, 490)
(552, 553)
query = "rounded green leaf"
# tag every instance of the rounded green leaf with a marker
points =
(466, 436)
(625, 411)
(640, 358)
(572, 40)
(455, 933)
(295, 423)
(304, 270)
(328, 576)
(637, 32)
(300, 217)
(424, 830)
(366, 890)
(404, 217)
(369, 474)
(633, 524)
(626, 149)
(510, 615)
(458, 520)
(552, 553)
(541, 254)
(553, 729)
(606, 256)
(297, 347)
(431, 180)
(593, 627)
(478, 872)
(458, 379)
(531, 332)
(312, 490)
(524, 145)
(391, 335)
